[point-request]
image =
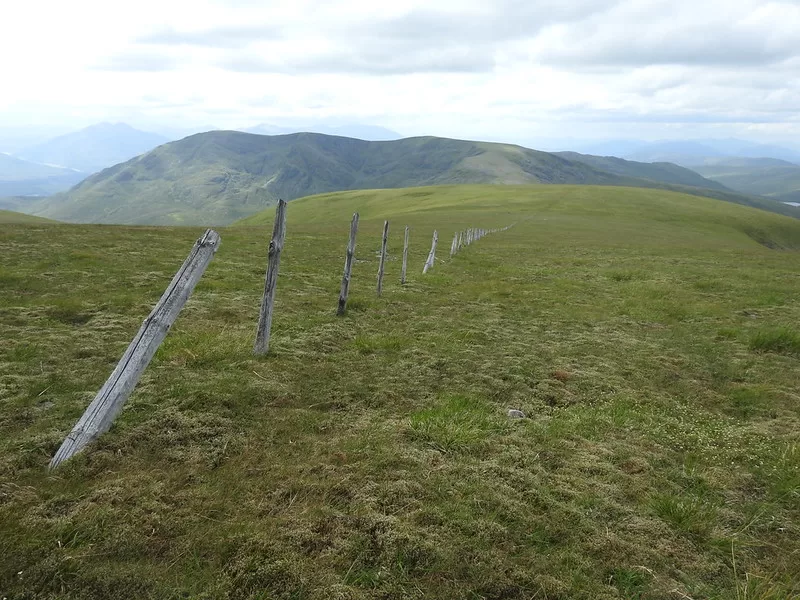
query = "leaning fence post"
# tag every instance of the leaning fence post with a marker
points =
(348, 266)
(109, 401)
(405, 258)
(382, 263)
(431, 254)
(271, 280)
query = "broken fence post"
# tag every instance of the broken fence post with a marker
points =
(431, 254)
(271, 279)
(348, 266)
(405, 258)
(382, 263)
(109, 401)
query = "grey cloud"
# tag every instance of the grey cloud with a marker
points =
(664, 32)
(367, 61)
(137, 62)
(218, 37)
(507, 20)
(684, 50)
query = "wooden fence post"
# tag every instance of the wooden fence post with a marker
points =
(271, 279)
(348, 266)
(453, 245)
(431, 254)
(109, 401)
(405, 258)
(382, 263)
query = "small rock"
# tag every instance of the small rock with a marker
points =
(515, 414)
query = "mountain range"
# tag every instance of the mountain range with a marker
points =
(93, 148)
(688, 153)
(221, 176)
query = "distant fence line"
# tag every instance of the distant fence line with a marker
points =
(109, 401)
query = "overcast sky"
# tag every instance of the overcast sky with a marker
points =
(515, 70)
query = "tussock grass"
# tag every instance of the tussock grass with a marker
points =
(370, 456)
(781, 340)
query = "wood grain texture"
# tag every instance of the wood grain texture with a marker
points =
(109, 401)
(271, 279)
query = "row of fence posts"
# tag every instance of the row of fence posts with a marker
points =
(109, 401)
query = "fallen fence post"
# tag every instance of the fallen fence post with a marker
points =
(405, 258)
(348, 266)
(431, 254)
(382, 263)
(271, 280)
(109, 401)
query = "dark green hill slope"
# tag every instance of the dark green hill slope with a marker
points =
(663, 172)
(221, 176)
(767, 180)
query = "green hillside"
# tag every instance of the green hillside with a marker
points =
(662, 172)
(651, 339)
(773, 180)
(9, 216)
(221, 176)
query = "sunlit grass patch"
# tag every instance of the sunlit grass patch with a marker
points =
(686, 514)
(455, 424)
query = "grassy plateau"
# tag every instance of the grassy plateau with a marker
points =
(650, 337)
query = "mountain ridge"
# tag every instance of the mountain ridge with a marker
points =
(221, 176)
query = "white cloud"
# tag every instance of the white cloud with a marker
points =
(502, 69)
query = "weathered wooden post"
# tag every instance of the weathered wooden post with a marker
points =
(271, 279)
(382, 262)
(453, 245)
(348, 266)
(405, 258)
(109, 401)
(431, 254)
(460, 240)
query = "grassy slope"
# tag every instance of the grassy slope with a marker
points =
(775, 181)
(219, 177)
(651, 340)
(9, 217)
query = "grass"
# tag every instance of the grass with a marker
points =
(782, 340)
(8, 217)
(370, 456)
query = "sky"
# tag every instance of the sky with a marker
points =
(504, 70)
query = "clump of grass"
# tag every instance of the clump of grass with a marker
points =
(631, 583)
(378, 343)
(454, 424)
(623, 275)
(781, 340)
(68, 311)
(687, 515)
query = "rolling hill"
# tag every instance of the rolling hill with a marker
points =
(93, 148)
(658, 172)
(651, 339)
(221, 176)
(775, 179)
(12, 217)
